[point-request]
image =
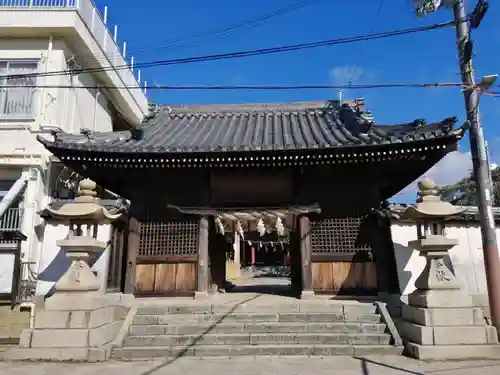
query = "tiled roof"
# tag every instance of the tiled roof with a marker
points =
(256, 127)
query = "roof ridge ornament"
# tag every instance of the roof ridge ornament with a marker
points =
(353, 120)
(448, 124)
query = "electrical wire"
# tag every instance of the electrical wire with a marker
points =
(247, 53)
(371, 30)
(248, 87)
(196, 39)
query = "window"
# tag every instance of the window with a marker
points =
(18, 98)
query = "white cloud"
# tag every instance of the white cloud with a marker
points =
(453, 167)
(341, 75)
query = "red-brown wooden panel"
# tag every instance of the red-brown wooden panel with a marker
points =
(345, 278)
(172, 278)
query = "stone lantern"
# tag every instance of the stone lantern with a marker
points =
(84, 215)
(77, 322)
(439, 321)
(430, 214)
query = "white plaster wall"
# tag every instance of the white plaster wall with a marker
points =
(466, 258)
(53, 262)
(26, 22)
(6, 271)
(71, 109)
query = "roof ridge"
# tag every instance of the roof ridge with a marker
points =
(259, 107)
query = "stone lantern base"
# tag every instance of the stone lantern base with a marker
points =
(443, 324)
(68, 328)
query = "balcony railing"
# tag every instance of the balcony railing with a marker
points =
(11, 219)
(97, 26)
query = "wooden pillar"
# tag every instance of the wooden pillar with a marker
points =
(305, 255)
(133, 242)
(203, 275)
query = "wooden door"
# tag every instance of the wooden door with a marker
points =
(166, 263)
(342, 262)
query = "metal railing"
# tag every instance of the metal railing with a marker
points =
(26, 287)
(96, 24)
(12, 219)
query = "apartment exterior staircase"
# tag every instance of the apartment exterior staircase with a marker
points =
(301, 328)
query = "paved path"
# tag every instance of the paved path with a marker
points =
(261, 366)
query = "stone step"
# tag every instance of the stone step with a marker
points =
(180, 329)
(260, 339)
(255, 317)
(353, 308)
(148, 352)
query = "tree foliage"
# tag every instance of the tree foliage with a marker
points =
(463, 193)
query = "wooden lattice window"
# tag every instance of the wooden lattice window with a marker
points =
(169, 239)
(337, 235)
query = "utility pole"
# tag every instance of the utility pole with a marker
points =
(480, 166)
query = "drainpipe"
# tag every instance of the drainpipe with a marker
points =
(13, 193)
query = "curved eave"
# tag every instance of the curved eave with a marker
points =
(79, 153)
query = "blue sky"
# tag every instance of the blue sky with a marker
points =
(153, 26)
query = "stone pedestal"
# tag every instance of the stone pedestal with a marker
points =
(454, 330)
(62, 332)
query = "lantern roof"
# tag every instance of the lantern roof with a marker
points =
(85, 207)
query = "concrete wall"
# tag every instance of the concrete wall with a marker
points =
(53, 262)
(466, 258)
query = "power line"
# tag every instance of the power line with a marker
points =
(247, 53)
(195, 39)
(372, 28)
(250, 87)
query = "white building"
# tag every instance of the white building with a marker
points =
(50, 38)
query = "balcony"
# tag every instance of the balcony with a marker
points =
(83, 17)
(11, 220)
